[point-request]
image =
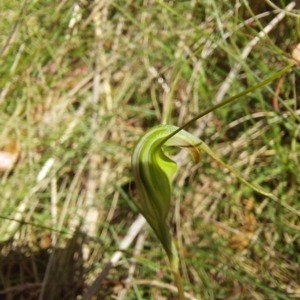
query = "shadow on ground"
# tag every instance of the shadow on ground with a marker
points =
(54, 274)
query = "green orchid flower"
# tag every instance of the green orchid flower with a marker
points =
(153, 172)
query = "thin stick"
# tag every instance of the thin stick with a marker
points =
(137, 250)
(133, 231)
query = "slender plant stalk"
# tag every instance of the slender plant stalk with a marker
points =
(178, 283)
(168, 106)
(174, 264)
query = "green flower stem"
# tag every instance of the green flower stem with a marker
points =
(174, 264)
(178, 283)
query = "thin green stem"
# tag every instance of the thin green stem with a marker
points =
(178, 282)
(168, 107)
(174, 264)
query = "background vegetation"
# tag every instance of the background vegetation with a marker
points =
(80, 82)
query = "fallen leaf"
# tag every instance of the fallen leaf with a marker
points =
(7, 160)
(9, 155)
